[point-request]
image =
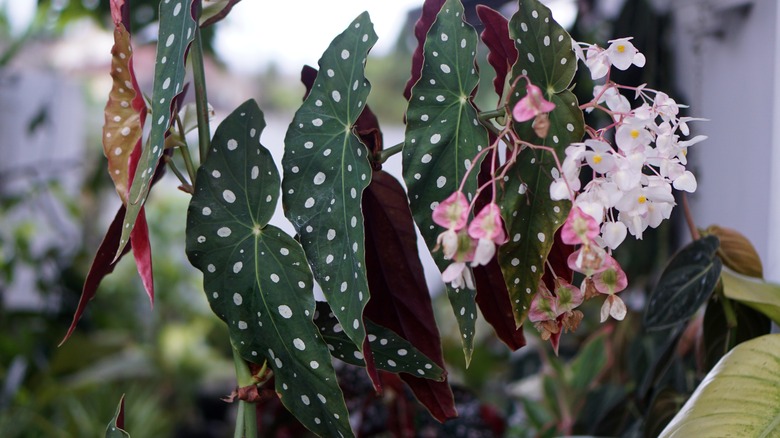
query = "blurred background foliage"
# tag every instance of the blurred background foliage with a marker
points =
(173, 363)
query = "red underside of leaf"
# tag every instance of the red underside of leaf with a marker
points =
(399, 295)
(429, 11)
(139, 237)
(502, 52)
(222, 14)
(101, 266)
(492, 294)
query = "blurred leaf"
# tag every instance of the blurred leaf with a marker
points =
(326, 169)
(758, 294)
(685, 284)
(719, 338)
(215, 11)
(531, 217)
(663, 408)
(737, 398)
(502, 53)
(392, 353)
(589, 362)
(430, 10)
(256, 277)
(115, 428)
(736, 251)
(442, 138)
(400, 299)
(177, 30)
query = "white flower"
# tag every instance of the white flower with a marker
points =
(597, 62)
(622, 54)
(613, 233)
(459, 275)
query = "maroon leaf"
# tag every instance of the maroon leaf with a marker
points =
(492, 294)
(219, 15)
(139, 237)
(430, 9)
(502, 52)
(373, 372)
(399, 295)
(101, 266)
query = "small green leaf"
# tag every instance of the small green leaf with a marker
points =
(392, 353)
(686, 283)
(177, 30)
(326, 169)
(115, 428)
(443, 137)
(256, 277)
(589, 363)
(758, 294)
(738, 398)
(545, 56)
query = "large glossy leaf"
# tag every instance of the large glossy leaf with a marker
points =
(756, 293)
(115, 428)
(443, 138)
(686, 283)
(545, 56)
(326, 169)
(737, 398)
(392, 353)
(399, 295)
(256, 277)
(177, 30)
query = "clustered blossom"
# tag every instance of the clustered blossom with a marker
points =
(634, 162)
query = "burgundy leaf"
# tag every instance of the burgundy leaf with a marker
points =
(430, 9)
(373, 373)
(399, 295)
(219, 15)
(101, 266)
(139, 237)
(492, 294)
(502, 52)
(308, 76)
(120, 418)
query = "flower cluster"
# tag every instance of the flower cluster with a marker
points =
(474, 244)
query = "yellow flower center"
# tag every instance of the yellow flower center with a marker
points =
(621, 48)
(634, 133)
(641, 199)
(597, 159)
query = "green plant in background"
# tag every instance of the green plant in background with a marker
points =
(498, 198)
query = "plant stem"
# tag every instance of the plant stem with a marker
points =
(492, 114)
(176, 171)
(201, 100)
(185, 153)
(689, 218)
(384, 154)
(246, 417)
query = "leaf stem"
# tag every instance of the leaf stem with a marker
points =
(689, 218)
(246, 417)
(182, 179)
(201, 99)
(385, 154)
(185, 153)
(492, 114)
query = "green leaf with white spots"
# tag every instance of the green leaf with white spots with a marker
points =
(392, 353)
(530, 216)
(177, 30)
(256, 277)
(115, 428)
(326, 169)
(443, 136)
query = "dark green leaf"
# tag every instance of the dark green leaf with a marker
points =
(686, 283)
(663, 408)
(443, 137)
(326, 169)
(392, 353)
(256, 277)
(532, 218)
(115, 428)
(177, 30)
(719, 338)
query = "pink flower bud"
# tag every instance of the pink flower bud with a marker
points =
(531, 105)
(453, 212)
(579, 228)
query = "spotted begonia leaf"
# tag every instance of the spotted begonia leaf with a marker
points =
(400, 299)
(443, 137)
(256, 277)
(531, 217)
(116, 427)
(326, 169)
(177, 30)
(392, 353)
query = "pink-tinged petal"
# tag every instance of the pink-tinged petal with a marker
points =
(448, 241)
(452, 212)
(579, 228)
(453, 271)
(611, 279)
(588, 260)
(544, 306)
(488, 225)
(523, 111)
(605, 309)
(569, 296)
(531, 105)
(618, 308)
(486, 249)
